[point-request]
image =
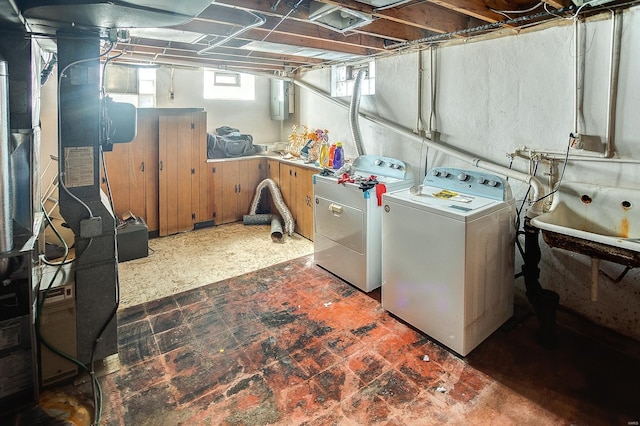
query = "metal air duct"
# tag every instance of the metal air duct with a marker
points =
(6, 218)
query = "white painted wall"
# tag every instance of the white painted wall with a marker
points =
(250, 117)
(494, 96)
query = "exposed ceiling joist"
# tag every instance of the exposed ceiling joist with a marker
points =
(279, 34)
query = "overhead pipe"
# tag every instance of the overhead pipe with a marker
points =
(260, 20)
(614, 67)
(612, 88)
(419, 124)
(354, 106)
(6, 193)
(578, 83)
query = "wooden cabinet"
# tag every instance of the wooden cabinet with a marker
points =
(182, 161)
(296, 185)
(132, 169)
(304, 206)
(232, 186)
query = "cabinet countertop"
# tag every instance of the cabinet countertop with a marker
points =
(270, 156)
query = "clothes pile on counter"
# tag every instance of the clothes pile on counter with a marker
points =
(227, 142)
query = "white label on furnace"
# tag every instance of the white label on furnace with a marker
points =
(78, 166)
(9, 334)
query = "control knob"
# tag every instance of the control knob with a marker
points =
(463, 177)
(379, 162)
(482, 181)
(445, 174)
(492, 183)
(436, 173)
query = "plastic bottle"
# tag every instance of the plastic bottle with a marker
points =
(337, 156)
(331, 153)
(323, 157)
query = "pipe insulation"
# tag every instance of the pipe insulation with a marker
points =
(6, 193)
(354, 106)
(277, 201)
(536, 186)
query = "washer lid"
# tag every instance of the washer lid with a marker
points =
(445, 202)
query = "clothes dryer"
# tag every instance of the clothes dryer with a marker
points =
(347, 218)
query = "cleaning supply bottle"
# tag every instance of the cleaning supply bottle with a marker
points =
(337, 156)
(323, 157)
(332, 151)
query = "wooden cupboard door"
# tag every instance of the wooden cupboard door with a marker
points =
(184, 173)
(304, 188)
(167, 197)
(137, 173)
(251, 174)
(287, 183)
(273, 170)
(148, 136)
(273, 173)
(175, 155)
(199, 165)
(214, 192)
(230, 176)
(133, 171)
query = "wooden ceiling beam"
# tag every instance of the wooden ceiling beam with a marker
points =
(198, 63)
(297, 34)
(305, 41)
(148, 45)
(391, 29)
(153, 52)
(427, 16)
(475, 8)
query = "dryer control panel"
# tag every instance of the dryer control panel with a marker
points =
(470, 182)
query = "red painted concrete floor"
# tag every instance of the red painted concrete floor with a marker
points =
(294, 345)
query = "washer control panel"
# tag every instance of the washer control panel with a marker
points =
(382, 166)
(470, 182)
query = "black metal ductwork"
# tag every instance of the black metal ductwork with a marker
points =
(82, 203)
(92, 14)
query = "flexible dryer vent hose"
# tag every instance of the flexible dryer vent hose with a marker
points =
(266, 219)
(277, 201)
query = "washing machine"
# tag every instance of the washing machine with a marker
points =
(348, 218)
(448, 256)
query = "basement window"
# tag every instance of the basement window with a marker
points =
(225, 85)
(343, 78)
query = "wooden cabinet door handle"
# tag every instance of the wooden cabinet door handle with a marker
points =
(142, 167)
(160, 164)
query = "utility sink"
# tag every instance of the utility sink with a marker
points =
(598, 221)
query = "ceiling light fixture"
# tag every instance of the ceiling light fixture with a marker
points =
(337, 18)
